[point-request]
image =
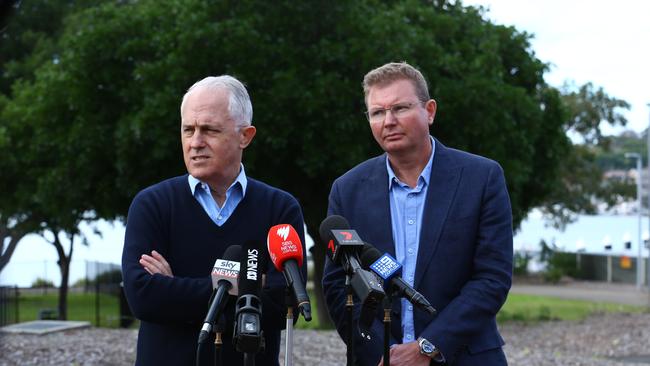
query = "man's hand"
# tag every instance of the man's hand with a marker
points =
(407, 354)
(156, 263)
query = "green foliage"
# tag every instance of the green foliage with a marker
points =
(582, 186)
(124, 67)
(42, 283)
(109, 277)
(614, 156)
(93, 106)
(520, 263)
(588, 108)
(532, 308)
(558, 264)
(315, 322)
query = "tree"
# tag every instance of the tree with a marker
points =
(103, 113)
(582, 186)
(38, 197)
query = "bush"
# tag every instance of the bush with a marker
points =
(109, 277)
(520, 265)
(558, 264)
(553, 275)
(42, 283)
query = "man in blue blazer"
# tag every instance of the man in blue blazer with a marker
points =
(444, 214)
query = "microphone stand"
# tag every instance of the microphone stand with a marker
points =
(249, 359)
(349, 307)
(288, 339)
(388, 300)
(218, 340)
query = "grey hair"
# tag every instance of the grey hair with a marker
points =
(239, 103)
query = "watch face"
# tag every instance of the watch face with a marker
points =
(427, 347)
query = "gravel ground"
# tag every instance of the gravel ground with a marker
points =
(602, 340)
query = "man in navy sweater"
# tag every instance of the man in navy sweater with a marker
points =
(177, 228)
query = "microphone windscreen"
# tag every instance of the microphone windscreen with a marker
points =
(334, 222)
(283, 243)
(369, 255)
(232, 253)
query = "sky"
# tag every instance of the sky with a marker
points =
(603, 42)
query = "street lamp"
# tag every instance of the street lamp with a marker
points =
(639, 259)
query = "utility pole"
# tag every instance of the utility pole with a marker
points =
(639, 257)
(648, 160)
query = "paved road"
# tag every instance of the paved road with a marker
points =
(592, 291)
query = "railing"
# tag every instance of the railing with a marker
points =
(8, 305)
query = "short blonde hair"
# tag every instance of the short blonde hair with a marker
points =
(393, 71)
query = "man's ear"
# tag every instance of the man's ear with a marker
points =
(246, 135)
(431, 107)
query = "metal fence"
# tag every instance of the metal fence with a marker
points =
(106, 278)
(611, 268)
(595, 267)
(98, 284)
(8, 305)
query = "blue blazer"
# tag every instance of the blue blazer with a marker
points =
(464, 264)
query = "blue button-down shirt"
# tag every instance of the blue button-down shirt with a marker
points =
(406, 208)
(234, 195)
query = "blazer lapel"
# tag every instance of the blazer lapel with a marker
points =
(440, 193)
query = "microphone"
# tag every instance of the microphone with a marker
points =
(285, 250)
(248, 336)
(386, 267)
(224, 280)
(343, 245)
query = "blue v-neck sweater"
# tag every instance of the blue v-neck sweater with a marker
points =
(167, 218)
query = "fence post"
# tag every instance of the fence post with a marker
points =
(97, 311)
(609, 268)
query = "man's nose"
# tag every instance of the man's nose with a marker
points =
(197, 140)
(389, 118)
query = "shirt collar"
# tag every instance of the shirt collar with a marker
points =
(425, 174)
(241, 179)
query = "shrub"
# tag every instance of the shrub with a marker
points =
(42, 283)
(558, 264)
(520, 265)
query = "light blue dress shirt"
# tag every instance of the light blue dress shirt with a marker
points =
(234, 195)
(406, 208)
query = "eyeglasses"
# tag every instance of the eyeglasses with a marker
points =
(378, 115)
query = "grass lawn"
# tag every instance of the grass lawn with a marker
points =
(81, 306)
(518, 307)
(531, 308)
(527, 308)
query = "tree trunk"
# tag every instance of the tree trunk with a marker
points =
(64, 266)
(15, 234)
(318, 255)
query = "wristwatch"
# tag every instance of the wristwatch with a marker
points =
(427, 348)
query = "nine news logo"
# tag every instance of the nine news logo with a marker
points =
(386, 266)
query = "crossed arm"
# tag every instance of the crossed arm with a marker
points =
(156, 263)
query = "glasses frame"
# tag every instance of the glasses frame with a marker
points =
(391, 108)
